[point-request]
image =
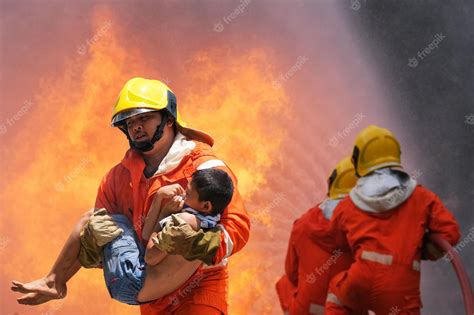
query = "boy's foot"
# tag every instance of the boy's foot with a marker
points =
(42, 286)
(34, 298)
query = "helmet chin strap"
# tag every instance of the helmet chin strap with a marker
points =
(145, 146)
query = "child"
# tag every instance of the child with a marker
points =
(124, 259)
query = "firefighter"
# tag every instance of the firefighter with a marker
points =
(312, 258)
(383, 222)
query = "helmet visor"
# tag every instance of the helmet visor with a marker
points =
(122, 116)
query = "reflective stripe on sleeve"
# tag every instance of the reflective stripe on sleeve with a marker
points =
(210, 164)
(333, 299)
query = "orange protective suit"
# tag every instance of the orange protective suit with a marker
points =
(125, 190)
(311, 261)
(385, 276)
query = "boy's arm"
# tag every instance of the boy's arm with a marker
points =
(153, 255)
(152, 218)
(158, 210)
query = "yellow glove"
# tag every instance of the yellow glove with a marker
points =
(102, 227)
(179, 238)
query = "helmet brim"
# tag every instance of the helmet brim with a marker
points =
(120, 118)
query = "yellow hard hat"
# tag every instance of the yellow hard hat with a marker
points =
(342, 179)
(141, 95)
(375, 148)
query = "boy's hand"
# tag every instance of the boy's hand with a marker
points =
(170, 191)
(175, 205)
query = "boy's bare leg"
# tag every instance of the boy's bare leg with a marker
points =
(166, 277)
(53, 285)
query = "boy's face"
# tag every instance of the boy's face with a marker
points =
(192, 200)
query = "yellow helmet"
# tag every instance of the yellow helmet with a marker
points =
(342, 179)
(141, 95)
(375, 148)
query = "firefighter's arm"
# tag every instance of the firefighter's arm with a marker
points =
(441, 221)
(337, 229)
(291, 261)
(234, 229)
(100, 229)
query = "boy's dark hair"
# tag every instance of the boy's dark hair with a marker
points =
(215, 186)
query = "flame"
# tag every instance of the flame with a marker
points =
(54, 175)
(56, 154)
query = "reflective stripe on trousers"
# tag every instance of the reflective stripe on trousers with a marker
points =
(385, 259)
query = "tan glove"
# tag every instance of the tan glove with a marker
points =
(102, 227)
(90, 253)
(179, 238)
(99, 230)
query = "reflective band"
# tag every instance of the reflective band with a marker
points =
(416, 265)
(221, 264)
(210, 164)
(316, 309)
(376, 257)
(228, 241)
(229, 247)
(333, 299)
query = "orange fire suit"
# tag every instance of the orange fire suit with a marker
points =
(311, 261)
(125, 190)
(385, 276)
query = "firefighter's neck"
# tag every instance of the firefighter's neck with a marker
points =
(160, 149)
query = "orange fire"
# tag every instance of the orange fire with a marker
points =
(54, 174)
